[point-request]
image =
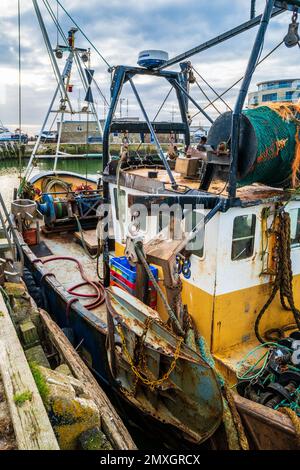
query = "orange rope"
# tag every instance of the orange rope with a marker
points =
(288, 113)
(272, 151)
(296, 162)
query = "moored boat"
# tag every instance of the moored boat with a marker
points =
(191, 267)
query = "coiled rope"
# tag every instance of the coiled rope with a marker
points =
(295, 421)
(284, 275)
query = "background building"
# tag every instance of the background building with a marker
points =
(76, 132)
(286, 90)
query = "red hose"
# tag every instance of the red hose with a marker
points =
(97, 286)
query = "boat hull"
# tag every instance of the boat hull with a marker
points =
(90, 336)
(265, 428)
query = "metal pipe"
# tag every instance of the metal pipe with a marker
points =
(221, 204)
(252, 12)
(153, 135)
(236, 116)
(183, 90)
(86, 87)
(12, 229)
(50, 51)
(217, 40)
(37, 144)
(58, 141)
(117, 83)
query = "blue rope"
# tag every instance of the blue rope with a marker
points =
(205, 353)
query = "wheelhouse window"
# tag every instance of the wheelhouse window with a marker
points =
(295, 227)
(243, 237)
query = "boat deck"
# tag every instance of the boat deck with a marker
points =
(163, 177)
(218, 187)
(67, 272)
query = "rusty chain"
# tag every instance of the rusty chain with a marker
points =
(140, 374)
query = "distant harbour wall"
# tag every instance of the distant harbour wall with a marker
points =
(12, 150)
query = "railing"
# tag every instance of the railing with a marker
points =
(8, 230)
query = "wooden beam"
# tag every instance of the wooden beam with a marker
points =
(32, 427)
(90, 238)
(112, 425)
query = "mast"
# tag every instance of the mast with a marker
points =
(75, 56)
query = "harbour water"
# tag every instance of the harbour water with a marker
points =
(10, 171)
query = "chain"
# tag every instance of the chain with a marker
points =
(294, 21)
(136, 368)
(295, 16)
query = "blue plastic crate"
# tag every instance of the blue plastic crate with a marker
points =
(122, 266)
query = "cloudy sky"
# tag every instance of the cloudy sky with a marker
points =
(120, 29)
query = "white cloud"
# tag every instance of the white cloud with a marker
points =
(120, 30)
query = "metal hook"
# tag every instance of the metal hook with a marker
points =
(292, 38)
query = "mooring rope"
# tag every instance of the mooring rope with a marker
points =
(284, 276)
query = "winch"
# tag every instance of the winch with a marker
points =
(68, 209)
(277, 383)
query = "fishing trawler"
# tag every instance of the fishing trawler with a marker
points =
(198, 284)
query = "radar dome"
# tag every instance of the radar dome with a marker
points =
(151, 59)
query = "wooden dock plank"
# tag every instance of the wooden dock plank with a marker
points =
(32, 427)
(112, 424)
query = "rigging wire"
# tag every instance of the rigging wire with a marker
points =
(207, 97)
(241, 78)
(163, 103)
(77, 59)
(55, 21)
(211, 88)
(57, 18)
(82, 32)
(20, 86)
(58, 26)
(97, 86)
(63, 94)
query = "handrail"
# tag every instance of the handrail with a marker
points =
(12, 229)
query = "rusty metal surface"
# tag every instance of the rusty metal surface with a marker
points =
(190, 398)
(266, 428)
(136, 178)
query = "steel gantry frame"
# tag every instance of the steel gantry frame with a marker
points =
(272, 9)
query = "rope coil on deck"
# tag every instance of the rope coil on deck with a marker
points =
(98, 296)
